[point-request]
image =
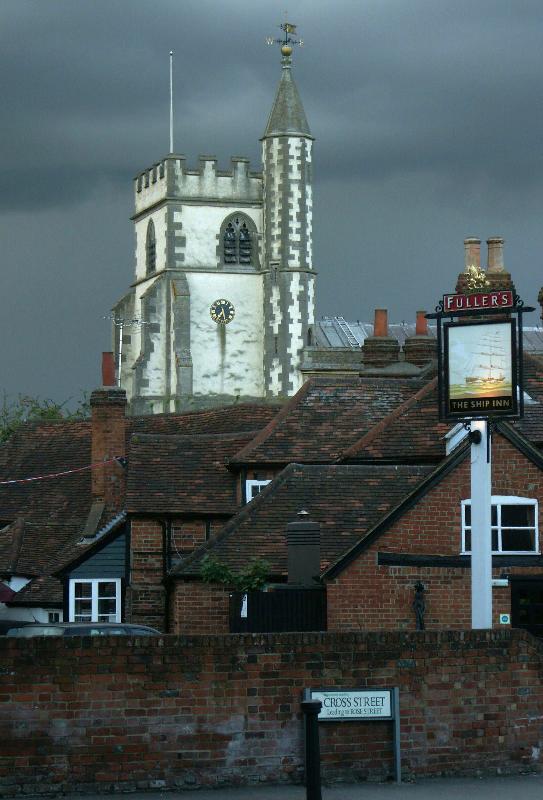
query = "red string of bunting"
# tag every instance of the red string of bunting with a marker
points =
(118, 459)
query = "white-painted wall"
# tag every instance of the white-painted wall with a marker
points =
(227, 359)
(159, 221)
(201, 227)
(35, 614)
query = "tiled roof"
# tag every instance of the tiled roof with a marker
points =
(48, 516)
(39, 449)
(183, 474)
(346, 500)
(30, 547)
(45, 590)
(411, 434)
(229, 419)
(326, 417)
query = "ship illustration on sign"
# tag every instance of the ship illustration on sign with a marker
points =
(490, 373)
(480, 361)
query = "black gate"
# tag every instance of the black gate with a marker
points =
(278, 610)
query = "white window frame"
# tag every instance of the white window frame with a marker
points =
(249, 485)
(95, 582)
(499, 501)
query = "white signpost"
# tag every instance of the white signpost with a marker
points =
(362, 705)
(481, 531)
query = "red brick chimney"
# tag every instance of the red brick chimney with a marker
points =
(108, 369)
(380, 349)
(421, 348)
(472, 258)
(108, 419)
(496, 273)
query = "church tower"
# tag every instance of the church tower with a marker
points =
(222, 301)
(287, 205)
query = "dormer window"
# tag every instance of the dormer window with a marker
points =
(238, 242)
(150, 249)
(254, 487)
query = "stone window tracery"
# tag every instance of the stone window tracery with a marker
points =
(150, 249)
(238, 242)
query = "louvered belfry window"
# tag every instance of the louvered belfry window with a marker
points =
(237, 242)
(150, 248)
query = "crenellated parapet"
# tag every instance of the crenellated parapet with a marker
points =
(172, 179)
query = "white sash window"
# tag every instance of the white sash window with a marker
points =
(514, 525)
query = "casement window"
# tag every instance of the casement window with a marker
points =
(252, 488)
(513, 522)
(94, 600)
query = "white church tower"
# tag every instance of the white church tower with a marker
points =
(222, 301)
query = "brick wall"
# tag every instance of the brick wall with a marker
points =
(366, 596)
(146, 595)
(104, 714)
(198, 608)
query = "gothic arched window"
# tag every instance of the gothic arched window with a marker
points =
(150, 249)
(237, 242)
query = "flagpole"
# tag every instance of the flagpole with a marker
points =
(171, 101)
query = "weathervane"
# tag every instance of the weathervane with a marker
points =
(287, 41)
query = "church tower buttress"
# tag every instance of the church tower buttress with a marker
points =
(287, 233)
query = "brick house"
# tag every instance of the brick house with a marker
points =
(65, 536)
(394, 512)
(366, 457)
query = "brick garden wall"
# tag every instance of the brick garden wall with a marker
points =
(96, 714)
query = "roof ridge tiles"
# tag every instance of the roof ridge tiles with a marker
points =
(384, 423)
(147, 437)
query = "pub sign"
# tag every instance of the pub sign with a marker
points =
(481, 369)
(479, 344)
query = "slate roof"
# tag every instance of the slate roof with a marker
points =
(287, 115)
(324, 418)
(346, 500)
(183, 474)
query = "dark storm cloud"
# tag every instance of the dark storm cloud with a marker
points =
(427, 116)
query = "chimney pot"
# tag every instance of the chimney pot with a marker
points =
(380, 326)
(421, 325)
(472, 252)
(495, 254)
(108, 369)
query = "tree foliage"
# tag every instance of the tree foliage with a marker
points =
(251, 577)
(26, 408)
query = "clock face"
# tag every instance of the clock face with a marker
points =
(222, 312)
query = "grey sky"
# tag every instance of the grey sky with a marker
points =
(429, 127)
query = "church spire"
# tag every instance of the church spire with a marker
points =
(287, 116)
